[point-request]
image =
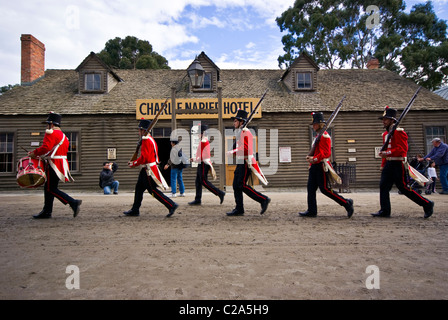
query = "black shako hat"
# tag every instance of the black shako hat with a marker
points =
(240, 115)
(389, 113)
(318, 117)
(54, 118)
(204, 128)
(144, 124)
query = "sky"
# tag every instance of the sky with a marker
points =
(235, 34)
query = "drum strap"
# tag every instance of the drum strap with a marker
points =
(68, 176)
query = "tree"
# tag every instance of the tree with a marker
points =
(340, 33)
(132, 53)
(424, 56)
(333, 32)
(7, 88)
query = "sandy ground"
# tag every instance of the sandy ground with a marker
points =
(203, 254)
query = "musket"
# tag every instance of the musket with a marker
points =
(254, 111)
(327, 125)
(153, 123)
(402, 115)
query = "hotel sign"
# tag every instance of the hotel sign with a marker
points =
(195, 108)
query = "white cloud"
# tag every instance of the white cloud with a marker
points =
(250, 45)
(175, 28)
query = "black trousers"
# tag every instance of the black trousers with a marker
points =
(317, 178)
(144, 183)
(241, 175)
(51, 191)
(202, 180)
(394, 173)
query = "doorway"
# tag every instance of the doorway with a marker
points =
(164, 147)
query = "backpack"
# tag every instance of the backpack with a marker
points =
(184, 162)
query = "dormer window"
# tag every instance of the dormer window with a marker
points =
(210, 77)
(304, 80)
(207, 84)
(95, 77)
(301, 76)
(92, 81)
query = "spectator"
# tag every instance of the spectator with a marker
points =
(107, 180)
(439, 154)
(175, 161)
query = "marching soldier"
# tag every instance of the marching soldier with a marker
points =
(393, 168)
(55, 147)
(150, 176)
(204, 167)
(244, 151)
(319, 167)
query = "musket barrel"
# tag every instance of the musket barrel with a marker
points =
(402, 115)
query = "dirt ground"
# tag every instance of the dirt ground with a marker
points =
(203, 254)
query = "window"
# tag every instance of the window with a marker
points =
(432, 132)
(73, 151)
(304, 80)
(93, 82)
(207, 83)
(6, 152)
(161, 132)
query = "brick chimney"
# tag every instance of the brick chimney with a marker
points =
(373, 63)
(33, 60)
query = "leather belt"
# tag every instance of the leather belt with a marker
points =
(396, 158)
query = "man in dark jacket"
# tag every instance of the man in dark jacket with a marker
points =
(439, 154)
(107, 180)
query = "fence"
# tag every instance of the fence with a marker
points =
(347, 172)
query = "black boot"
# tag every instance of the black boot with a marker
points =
(381, 214)
(235, 212)
(132, 213)
(75, 207)
(194, 203)
(349, 208)
(170, 213)
(264, 205)
(429, 209)
(221, 197)
(308, 214)
(42, 215)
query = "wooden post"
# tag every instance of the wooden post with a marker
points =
(173, 109)
(222, 166)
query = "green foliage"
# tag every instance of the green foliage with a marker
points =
(7, 88)
(132, 53)
(337, 34)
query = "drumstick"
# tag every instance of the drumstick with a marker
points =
(24, 149)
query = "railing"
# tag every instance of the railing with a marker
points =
(347, 172)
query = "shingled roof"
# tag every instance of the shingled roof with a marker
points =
(365, 90)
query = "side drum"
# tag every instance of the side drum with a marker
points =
(31, 172)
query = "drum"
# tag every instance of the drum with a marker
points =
(31, 172)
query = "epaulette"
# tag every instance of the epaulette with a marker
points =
(145, 137)
(49, 131)
(399, 129)
(326, 135)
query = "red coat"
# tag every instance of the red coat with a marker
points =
(323, 148)
(398, 145)
(245, 144)
(148, 152)
(203, 151)
(149, 157)
(55, 147)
